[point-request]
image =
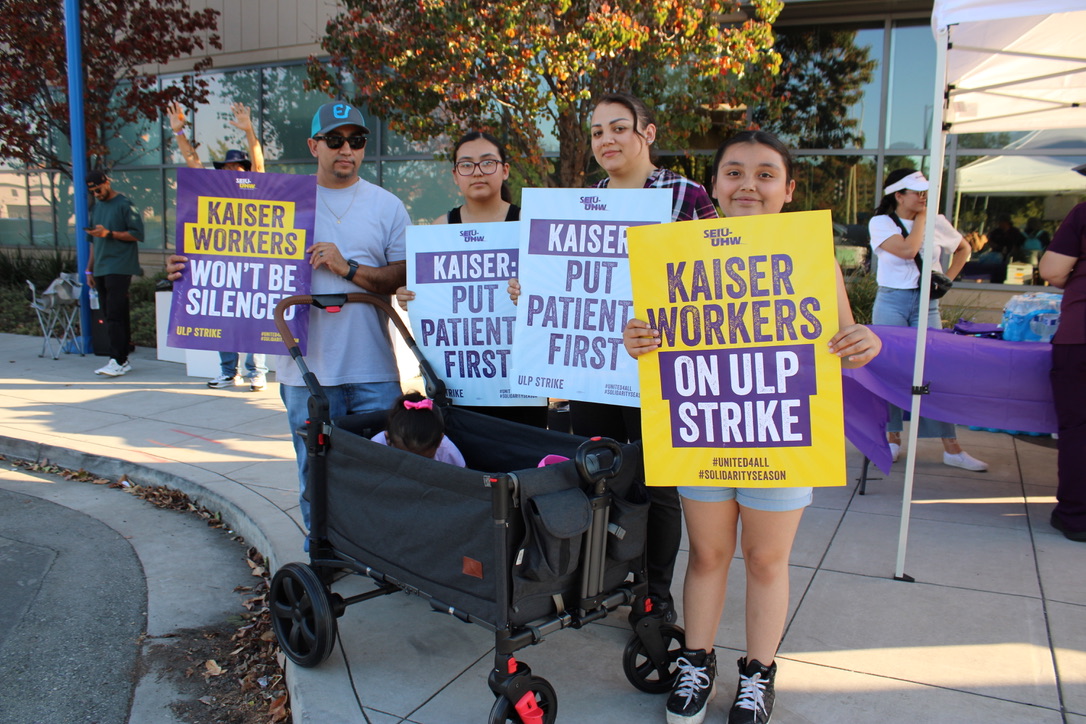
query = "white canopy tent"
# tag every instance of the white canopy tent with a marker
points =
(1001, 65)
(1028, 175)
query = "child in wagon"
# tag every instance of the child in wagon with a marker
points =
(416, 425)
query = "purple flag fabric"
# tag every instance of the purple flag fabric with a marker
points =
(973, 381)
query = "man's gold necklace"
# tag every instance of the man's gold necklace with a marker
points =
(339, 217)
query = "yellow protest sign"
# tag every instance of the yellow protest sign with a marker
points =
(743, 391)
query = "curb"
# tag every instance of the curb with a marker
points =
(235, 516)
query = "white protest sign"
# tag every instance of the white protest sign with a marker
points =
(575, 291)
(462, 317)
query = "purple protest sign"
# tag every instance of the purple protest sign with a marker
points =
(245, 236)
(740, 397)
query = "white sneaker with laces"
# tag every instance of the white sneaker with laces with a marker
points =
(222, 381)
(895, 451)
(256, 382)
(965, 461)
(113, 369)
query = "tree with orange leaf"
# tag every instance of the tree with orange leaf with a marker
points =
(525, 69)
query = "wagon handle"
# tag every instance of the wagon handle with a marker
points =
(587, 459)
(435, 386)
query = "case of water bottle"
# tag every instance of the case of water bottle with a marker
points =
(1031, 317)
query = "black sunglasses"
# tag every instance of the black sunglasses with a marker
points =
(334, 142)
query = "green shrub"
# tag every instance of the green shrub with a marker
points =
(861, 287)
(16, 316)
(41, 268)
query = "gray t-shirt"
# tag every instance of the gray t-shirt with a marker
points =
(352, 345)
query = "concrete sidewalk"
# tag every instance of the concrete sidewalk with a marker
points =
(992, 629)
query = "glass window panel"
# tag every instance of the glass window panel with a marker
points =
(980, 209)
(45, 207)
(288, 112)
(63, 202)
(169, 176)
(425, 187)
(137, 143)
(15, 210)
(396, 144)
(213, 131)
(912, 78)
(845, 185)
(827, 95)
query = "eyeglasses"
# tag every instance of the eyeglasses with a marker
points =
(334, 142)
(467, 168)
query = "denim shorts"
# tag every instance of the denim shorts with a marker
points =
(770, 500)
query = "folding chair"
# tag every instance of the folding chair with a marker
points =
(66, 291)
(47, 312)
(57, 309)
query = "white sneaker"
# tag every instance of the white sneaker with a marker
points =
(223, 381)
(256, 382)
(895, 451)
(112, 369)
(965, 461)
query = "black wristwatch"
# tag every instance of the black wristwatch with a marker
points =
(351, 271)
(110, 234)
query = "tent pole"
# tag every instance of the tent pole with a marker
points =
(938, 148)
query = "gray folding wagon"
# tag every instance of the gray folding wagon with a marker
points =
(518, 549)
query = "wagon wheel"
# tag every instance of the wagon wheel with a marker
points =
(301, 614)
(642, 671)
(546, 701)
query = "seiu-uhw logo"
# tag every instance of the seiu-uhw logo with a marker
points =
(471, 235)
(592, 203)
(245, 183)
(722, 237)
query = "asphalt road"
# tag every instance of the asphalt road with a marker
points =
(94, 579)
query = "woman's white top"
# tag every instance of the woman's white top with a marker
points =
(898, 273)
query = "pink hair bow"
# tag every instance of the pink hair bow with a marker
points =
(424, 404)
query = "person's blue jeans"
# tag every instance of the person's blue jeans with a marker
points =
(342, 400)
(901, 308)
(255, 364)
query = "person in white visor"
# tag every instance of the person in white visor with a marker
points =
(897, 236)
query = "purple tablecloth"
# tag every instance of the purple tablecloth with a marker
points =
(973, 381)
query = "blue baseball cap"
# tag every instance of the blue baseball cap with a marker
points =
(331, 116)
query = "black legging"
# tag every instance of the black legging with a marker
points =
(665, 525)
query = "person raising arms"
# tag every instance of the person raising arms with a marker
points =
(752, 175)
(256, 365)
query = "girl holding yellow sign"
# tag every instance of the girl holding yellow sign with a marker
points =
(752, 175)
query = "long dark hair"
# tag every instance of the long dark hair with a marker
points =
(475, 136)
(888, 205)
(418, 429)
(641, 114)
(763, 138)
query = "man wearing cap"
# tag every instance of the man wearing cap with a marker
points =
(116, 227)
(255, 364)
(359, 245)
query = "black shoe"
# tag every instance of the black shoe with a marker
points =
(1078, 536)
(650, 606)
(694, 687)
(754, 697)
